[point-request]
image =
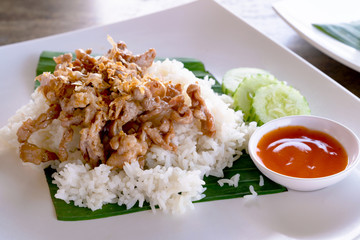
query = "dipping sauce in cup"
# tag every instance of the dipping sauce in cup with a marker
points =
(306, 153)
(297, 151)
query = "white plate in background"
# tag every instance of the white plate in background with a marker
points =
(301, 14)
(206, 31)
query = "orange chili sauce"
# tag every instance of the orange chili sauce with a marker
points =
(297, 151)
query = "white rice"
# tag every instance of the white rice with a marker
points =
(253, 193)
(261, 181)
(159, 186)
(233, 181)
(173, 180)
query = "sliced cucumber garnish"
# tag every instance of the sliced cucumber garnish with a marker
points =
(275, 101)
(243, 97)
(234, 77)
(261, 97)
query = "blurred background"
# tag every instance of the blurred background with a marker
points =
(22, 20)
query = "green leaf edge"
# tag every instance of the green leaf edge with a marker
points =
(347, 33)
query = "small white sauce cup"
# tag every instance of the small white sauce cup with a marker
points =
(342, 134)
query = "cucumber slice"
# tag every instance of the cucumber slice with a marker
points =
(243, 97)
(275, 101)
(234, 77)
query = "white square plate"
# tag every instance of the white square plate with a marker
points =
(301, 14)
(206, 31)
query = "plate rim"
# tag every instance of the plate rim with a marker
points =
(298, 59)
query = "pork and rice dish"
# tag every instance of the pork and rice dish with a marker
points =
(123, 128)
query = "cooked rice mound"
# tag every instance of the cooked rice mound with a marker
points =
(170, 179)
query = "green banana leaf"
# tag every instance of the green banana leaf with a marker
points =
(347, 33)
(249, 174)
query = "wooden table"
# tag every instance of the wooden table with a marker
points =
(22, 20)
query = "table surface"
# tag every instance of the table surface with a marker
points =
(22, 20)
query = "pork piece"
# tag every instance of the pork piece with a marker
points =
(150, 103)
(177, 102)
(84, 62)
(182, 113)
(86, 100)
(131, 111)
(89, 114)
(157, 113)
(185, 118)
(173, 91)
(158, 137)
(144, 60)
(33, 154)
(54, 88)
(90, 142)
(200, 110)
(65, 58)
(96, 81)
(177, 99)
(122, 112)
(74, 119)
(168, 135)
(139, 93)
(80, 98)
(128, 148)
(76, 113)
(165, 126)
(30, 126)
(116, 107)
(156, 88)
(67, 137)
